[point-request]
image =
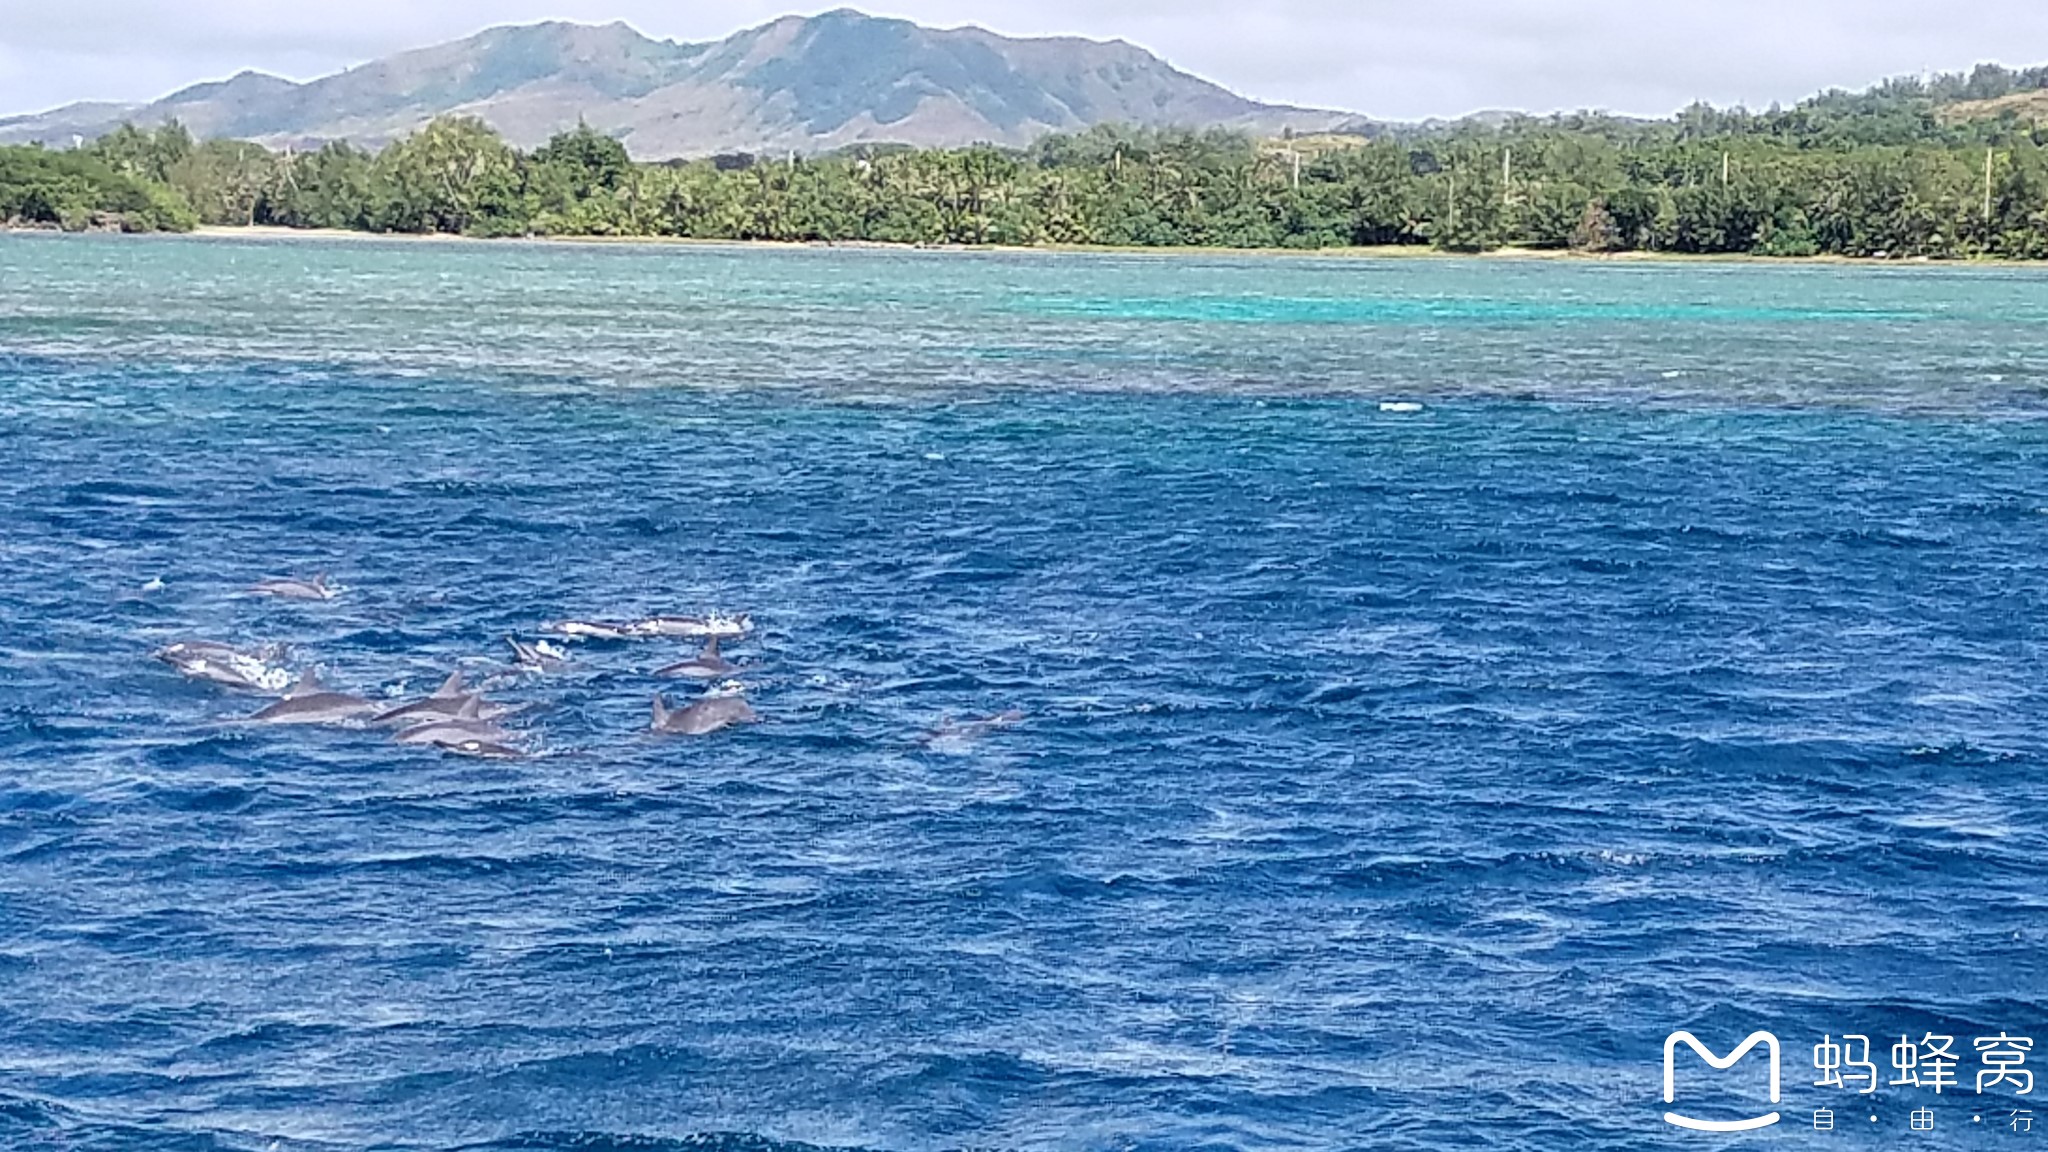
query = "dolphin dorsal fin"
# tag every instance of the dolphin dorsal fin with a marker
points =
(309, 682)
(472, 708)
(711, 647)
(660, 711)
(451, 686)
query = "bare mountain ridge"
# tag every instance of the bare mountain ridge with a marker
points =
(803, 84)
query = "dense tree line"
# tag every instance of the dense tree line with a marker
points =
(1885, 172)
(79, 190)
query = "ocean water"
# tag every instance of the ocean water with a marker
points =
(1390, 778)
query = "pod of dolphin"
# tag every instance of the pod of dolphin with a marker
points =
(457, 718)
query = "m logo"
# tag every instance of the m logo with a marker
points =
(1718, 1063)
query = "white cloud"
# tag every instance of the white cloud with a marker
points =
(1387, 58)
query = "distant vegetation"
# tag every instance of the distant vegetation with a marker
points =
(77, 190)
(1953, 167)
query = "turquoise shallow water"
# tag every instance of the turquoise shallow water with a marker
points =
(1389, 778)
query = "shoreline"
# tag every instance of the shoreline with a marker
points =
(1374, 252)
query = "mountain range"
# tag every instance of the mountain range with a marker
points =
(797, 84)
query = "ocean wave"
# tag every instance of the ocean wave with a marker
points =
(1389, 782)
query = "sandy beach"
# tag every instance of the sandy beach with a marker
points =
(1379, 252)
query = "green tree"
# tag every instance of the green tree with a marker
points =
(80, 189)
(455, 175)
(333, 187)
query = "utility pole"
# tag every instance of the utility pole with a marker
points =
(1507, 174)
(1454, 200)
(1724, 170)
(1297, 166)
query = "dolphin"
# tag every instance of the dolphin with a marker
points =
(538, 657)
(450, 733)
(245, 670)
(484, 749)
(1003, 719)
(453, 730)
(704, 716)
(309, 703)
(588, 630)
(466, 731)
(952, 737)
(706, 665)
(693, 627)
(291, 588)
(446, 701)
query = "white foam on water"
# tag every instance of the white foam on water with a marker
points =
(263, 674)
(1979, 825)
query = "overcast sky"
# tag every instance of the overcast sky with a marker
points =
(1395, 59)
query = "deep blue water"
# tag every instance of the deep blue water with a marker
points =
(1389, 779)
